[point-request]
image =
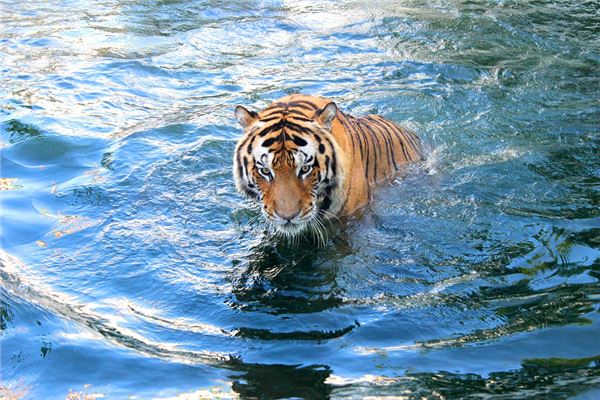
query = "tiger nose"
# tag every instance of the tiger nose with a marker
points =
(287, 216)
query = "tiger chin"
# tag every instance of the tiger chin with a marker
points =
(305, 161)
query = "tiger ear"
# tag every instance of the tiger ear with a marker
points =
(245, 117)
(326, 114)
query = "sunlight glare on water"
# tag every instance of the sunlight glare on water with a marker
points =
(131, 267)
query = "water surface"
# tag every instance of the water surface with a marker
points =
(131, 267)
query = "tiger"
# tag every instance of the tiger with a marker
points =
(304, 160)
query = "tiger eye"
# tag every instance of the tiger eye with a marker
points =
(305, 168)
(265, 171)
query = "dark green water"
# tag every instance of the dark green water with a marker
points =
(129, 263)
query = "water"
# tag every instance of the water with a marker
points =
(131, 267)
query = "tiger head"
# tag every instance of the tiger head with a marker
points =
(286, 160)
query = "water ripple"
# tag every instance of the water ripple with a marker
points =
(126, 248)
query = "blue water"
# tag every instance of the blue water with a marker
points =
(131, 267)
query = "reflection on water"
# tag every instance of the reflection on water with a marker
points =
(282, 381)
(289, 278)
(126, 248)
(554, 378)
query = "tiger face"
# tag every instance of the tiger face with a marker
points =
(286, 160)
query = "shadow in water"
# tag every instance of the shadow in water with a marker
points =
(279, 286)
(278, 277)
(257, 381)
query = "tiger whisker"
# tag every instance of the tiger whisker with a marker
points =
(330, 217)
(320, 228)
(318, 233)
(325, 231)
